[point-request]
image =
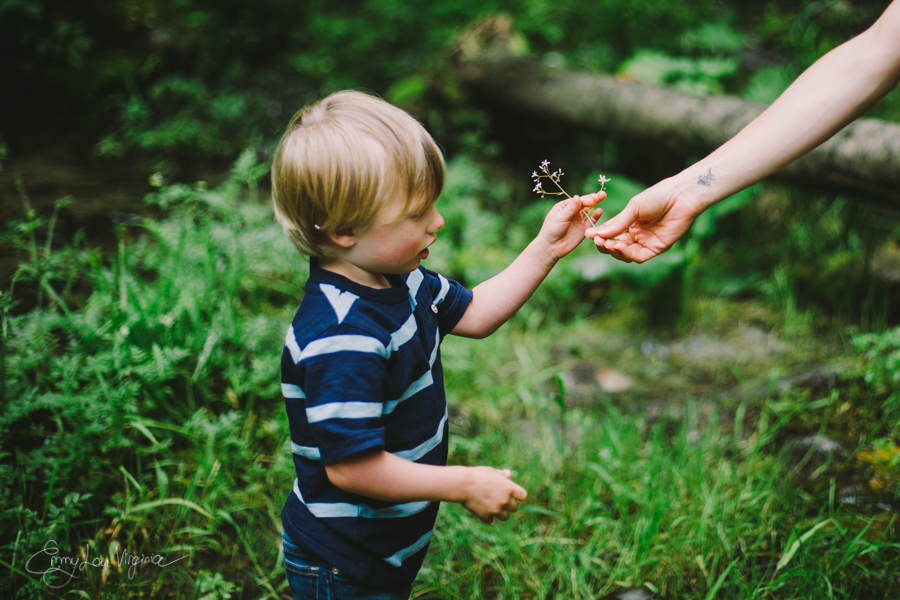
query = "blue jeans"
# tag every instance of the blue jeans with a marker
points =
(313, 579)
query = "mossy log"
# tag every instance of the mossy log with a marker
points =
(862, 160)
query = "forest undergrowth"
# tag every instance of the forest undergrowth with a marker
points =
(144, 438)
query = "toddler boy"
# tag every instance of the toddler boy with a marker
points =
(355, 184)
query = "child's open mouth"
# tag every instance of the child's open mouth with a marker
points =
(423, 254)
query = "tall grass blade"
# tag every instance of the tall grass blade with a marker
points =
(169, 501)
(711, 594)
(792, 550)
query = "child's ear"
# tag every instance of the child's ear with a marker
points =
(343, 238)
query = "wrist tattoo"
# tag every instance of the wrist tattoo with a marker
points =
(706, 180)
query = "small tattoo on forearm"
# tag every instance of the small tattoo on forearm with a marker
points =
(706, 179)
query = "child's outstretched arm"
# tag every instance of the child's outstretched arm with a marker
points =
(498, 299)
(486, 492)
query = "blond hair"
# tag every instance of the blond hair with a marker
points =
(341, 159)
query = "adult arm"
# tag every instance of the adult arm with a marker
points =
(834, 91)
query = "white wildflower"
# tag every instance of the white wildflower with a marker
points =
(546, 174)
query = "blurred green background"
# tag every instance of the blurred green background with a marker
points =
(194, 79)
(719, 422)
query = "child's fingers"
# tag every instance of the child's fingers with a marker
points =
(506, 473)
(581, 202)
(518, 492)
(570, 206)
(588, 200)
(503, 515)
(592, 199)
(512, 505)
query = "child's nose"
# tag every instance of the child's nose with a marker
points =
(437, 222)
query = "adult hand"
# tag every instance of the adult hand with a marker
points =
(648, 226)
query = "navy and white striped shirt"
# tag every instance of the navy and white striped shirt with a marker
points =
(361, 369)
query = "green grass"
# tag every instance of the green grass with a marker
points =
(687, 501)
(142, 412)
(142, 405)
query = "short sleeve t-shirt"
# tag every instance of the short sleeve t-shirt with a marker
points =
(361, 369)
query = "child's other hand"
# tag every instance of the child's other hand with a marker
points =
(565, 224)
(490, 494)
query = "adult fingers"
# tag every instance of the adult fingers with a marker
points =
(633, 252)
(617, 224)
(638, 253)
(613, 248)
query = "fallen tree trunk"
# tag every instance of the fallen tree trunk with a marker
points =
(863, 159)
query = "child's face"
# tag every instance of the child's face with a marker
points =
(396, 243)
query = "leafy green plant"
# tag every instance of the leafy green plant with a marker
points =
(142, 391)
(142, 412)
(698, 77)
(768, 83)
(881, 352)
(691, 501)
(201, 79)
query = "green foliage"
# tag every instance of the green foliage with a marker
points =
(214, 587)
(699, 77)
(474, 243)
(685, 499)
(141, 407)
(768, 83)
(201, 78)
(882, 369)
(133, 360)
(882, 352)
(142, 412)
(817, 248)
(716, 37)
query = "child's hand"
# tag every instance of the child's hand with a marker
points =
(491, 494)
(565, 224)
